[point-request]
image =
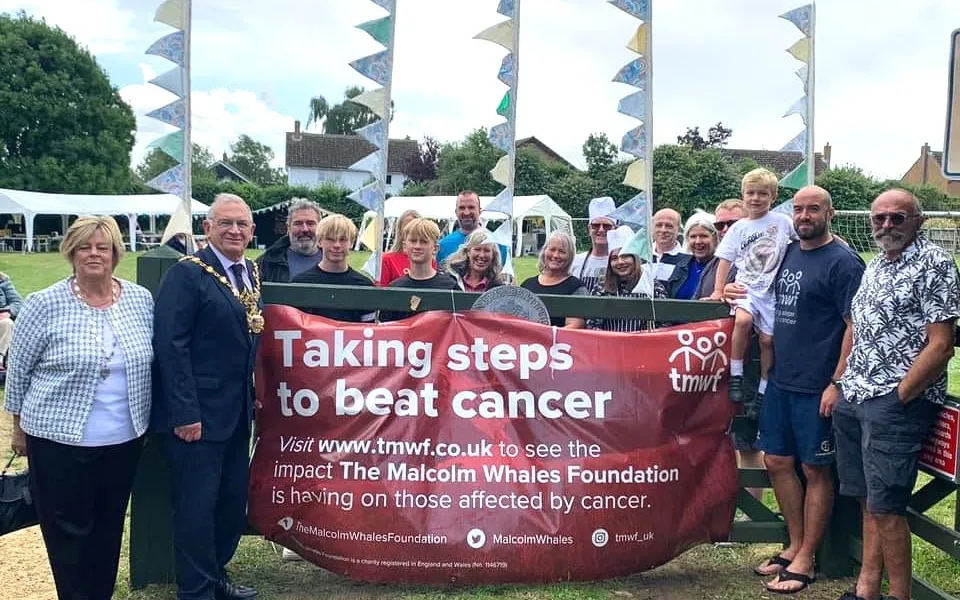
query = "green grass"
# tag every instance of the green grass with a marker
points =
(703, 572)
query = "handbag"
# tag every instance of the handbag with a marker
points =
(17, 510)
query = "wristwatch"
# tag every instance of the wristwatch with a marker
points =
(836, 384)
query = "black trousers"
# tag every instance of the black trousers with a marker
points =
(208, 488)
(81, 496)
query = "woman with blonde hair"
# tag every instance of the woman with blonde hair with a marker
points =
(621, 279)
(395, 264)
(476, 264)
(78, 387)
(554, 262)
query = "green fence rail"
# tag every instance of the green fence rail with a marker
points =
(151, 544)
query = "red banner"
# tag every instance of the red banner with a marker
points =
(481, 448)
(940, 451)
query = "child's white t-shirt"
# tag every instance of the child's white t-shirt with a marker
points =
(756, 247)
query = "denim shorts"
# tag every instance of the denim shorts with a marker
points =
(791, 425)
(878, 448)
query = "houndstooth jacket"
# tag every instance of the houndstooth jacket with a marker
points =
(56, 356)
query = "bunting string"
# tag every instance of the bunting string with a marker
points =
(803, 50)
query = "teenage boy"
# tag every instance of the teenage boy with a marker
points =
(755, 246)
(336, 235)
(420, 240)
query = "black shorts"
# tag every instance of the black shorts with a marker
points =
(878, 448)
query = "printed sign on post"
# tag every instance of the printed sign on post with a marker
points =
(951, 146)
(939, 453)
(481, 448)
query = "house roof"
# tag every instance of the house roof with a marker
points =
(224, 165)
(533, 141)
(780, 162)
(338, 152)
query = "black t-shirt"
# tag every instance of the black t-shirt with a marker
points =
(440, 281)
(571, 286)
(349, 277)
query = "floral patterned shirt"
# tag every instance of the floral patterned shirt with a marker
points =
(896, 301)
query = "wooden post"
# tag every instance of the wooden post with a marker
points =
(151, 537)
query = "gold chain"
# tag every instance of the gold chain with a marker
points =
(249, 299)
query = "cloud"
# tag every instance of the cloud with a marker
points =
(880, 93)
(100, 25)
(219, 117)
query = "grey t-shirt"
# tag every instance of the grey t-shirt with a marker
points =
(298, 263)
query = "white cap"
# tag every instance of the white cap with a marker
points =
(601, 208)
(619, 237)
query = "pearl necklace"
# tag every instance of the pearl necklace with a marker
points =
(114, 287)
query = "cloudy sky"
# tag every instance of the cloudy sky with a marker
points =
(881, 84)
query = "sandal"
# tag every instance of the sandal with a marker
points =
(775, 560)
(786, 575)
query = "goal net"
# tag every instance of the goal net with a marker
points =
(942, 228)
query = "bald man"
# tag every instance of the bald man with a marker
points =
(666, 234)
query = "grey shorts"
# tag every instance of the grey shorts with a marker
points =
(878, 446)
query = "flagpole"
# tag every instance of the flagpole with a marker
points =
(648, 122)
(187, 196)
(388, 112)
(811, 82)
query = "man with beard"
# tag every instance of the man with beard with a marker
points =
(904, 317)
(299, 249)
(812, 334)
(468, 219)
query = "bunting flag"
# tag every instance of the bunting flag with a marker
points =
(379, 68)
(950, 161)
(638, 73)
(172, 81)
(804, 18)
(171, 145)
(175, 47)
(503, 136)
(797, 178)
(170, 47)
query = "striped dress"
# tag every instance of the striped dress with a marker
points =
(624, 324)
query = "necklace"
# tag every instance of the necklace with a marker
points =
(105, 369)
(114, 287)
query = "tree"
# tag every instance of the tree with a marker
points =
(599, 152)
(717, 137)
(466, 165)
(157, 161)
(849, 187)
(344, 118)
(253, 159)
(422, 166)
(63, 126)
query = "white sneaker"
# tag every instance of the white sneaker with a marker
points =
(290, 555)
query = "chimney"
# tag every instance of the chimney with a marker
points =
(297, 136)
(827, 151)
(224, 157)
(924, 157)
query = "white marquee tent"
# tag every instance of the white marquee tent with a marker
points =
(31, 204)
(442, 208)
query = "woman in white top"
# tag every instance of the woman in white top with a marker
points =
(78, 387)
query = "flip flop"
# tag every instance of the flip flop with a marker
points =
(777, 560)
(786, 575)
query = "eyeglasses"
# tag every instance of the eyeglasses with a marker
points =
(896, 219)
(721, 225)
(604, 226)
(229, 224)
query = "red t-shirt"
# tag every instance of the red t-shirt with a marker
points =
(395, 265)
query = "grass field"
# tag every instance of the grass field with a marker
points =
(703, 572)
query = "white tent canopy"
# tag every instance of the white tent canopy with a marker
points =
(31, 204)
(442, 208)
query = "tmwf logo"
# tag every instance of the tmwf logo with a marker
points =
(699, 362)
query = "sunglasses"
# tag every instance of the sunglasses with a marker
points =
(720, 225)
(604, 226)
(897, 219)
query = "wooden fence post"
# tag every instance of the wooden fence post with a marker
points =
(151, 538)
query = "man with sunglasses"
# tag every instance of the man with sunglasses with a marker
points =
(904, 317)
(589, 267)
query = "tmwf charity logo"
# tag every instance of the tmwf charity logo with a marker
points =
(699, 362)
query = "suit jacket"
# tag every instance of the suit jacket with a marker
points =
(708, 279)
(681, 270)
(204, 352)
